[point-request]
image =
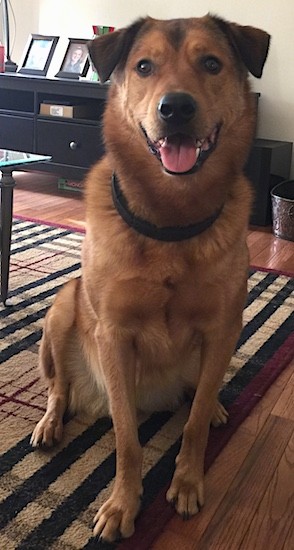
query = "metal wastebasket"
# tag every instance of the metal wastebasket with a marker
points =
(283, 210)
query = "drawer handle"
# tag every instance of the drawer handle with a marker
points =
(73, 145)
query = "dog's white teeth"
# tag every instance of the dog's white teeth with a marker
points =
(163, 142)
(212, 136)
(198, 151)
(205, 145)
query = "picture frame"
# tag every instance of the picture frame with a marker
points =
(38, 54)
(75, 63)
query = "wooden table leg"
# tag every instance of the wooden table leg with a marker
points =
(7, 184)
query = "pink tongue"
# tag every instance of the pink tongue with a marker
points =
(178, 154)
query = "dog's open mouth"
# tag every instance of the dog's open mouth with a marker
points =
(182, 154)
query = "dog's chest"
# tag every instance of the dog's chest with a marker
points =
(163, 306)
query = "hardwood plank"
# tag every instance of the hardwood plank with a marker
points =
(258, 241)
(171, 540)
(279, 252)
(37, 196)
(234, 516)
(285, 404)
(289, 542)
(271, 523)
(269, 251)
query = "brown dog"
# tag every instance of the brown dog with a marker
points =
(158, 308)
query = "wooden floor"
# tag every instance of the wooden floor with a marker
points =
(250, 487)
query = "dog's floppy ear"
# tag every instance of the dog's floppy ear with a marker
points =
(249, 43)
(111, 50)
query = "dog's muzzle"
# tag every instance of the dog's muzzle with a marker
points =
(180, 152)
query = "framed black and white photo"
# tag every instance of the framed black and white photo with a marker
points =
(38, 54)
(76, 60)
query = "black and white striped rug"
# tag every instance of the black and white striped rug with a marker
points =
(48, 499)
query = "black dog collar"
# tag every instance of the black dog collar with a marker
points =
(167, 234)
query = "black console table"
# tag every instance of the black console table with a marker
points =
(73, 143)
(269, 163)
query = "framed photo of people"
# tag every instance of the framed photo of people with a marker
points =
(76, 59)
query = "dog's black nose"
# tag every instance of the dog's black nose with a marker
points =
(177, 108)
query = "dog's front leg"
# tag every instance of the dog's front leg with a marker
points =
(187, 488)
(116, 516)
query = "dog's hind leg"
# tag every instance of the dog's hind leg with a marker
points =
(220, 415)
(58, 324)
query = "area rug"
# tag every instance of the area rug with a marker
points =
(48, 499)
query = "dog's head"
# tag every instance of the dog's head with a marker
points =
(183, 83)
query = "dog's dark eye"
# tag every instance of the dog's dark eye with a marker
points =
(144, 67)
(212, 65)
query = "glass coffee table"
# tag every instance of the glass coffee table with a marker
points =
(9, 161)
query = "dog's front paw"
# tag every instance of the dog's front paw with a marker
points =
(48, 432)
(116, 517)
(186, 493)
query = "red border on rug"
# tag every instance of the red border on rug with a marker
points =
(75, 228)
(150, 525)
(269, 270)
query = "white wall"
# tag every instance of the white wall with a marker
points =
(73, 18)
(24, 22)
